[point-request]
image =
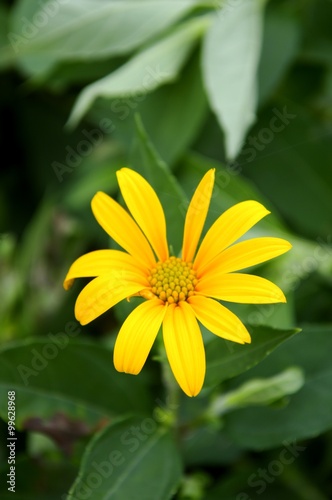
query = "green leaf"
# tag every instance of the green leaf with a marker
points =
(243, 483)
(183, 119)
(55, 375)
(259, 391)
(278, 52)
(156, 65)
(231, 54)
(87, 29)
(226, 359)
(180, 122)
(306, 415)
(130, 459)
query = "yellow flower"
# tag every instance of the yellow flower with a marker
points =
(178, 290)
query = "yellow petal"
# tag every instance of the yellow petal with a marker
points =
(184, 347)
(101, 262)
(229, 227)
(242, 288)
(145, 207)
(196, 215)
(137, 336)
(218, 319)
(245, 254)
(104, 292)
(122, 228)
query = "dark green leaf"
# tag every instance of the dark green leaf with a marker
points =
(278, 52)
(208, 446)
(293, 167)
(130, 459)
(55, 375)
(227, 359)
(307, 413)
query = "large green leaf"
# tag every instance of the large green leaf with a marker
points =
(87, 29)
(226, 359)
(63, 375)
(307, 413)
(231, 54)
(130, 459)
(158, 64)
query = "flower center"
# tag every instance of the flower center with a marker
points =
(173, 280)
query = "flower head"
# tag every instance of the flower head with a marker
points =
(178, 291)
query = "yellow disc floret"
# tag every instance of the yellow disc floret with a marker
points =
(173, 280)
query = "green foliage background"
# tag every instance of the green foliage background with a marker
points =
(171, 89)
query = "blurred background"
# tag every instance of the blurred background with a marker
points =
(83, 85)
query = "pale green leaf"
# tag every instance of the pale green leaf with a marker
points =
(177, 129)
(259, 391)
(156, 65)
(87, 29)
(231, 54)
